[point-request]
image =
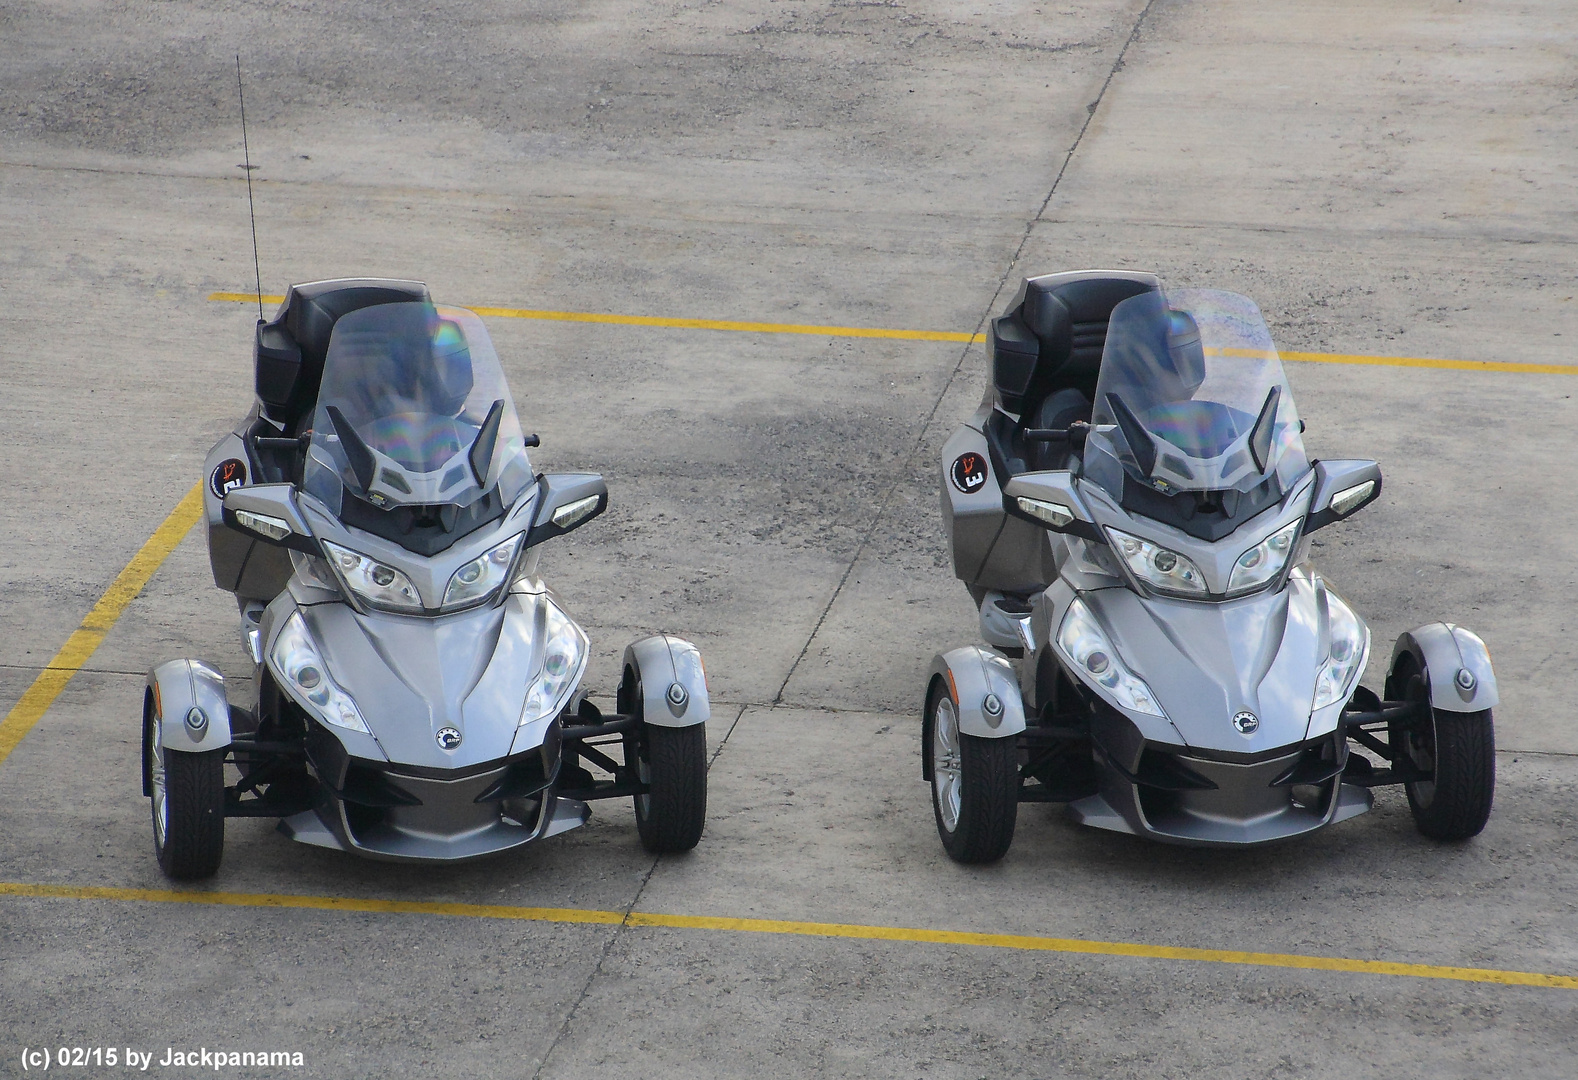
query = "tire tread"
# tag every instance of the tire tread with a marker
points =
(677, 760)
(195, 801)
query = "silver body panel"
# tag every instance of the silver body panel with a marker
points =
(973, 674)
(176, 688)
(663, 663)
(1443, 650)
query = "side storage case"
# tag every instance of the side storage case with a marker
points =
(241, 564)
(989, 549)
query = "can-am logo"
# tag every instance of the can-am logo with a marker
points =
(969, 472)
(448, 738)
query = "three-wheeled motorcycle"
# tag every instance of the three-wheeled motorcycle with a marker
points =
(1130, 509)
(417, 691)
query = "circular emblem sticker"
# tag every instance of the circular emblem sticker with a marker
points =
(448, 738)
(231, 474)
(1246, 722)
(969, 472)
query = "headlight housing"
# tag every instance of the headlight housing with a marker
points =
(1082, 641)
(314, 571)
(482, 577)
(1263, 562)
(301, 670)
(1348, 647)
(377, 585)
(563, 660)
(1158, 568)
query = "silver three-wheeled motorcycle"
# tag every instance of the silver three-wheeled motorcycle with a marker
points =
(417, 686)
(1130, 509)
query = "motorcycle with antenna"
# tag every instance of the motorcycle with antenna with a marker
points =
(1130, 509)
(416, 690)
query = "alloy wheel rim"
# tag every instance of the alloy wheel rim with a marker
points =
(1422, 746)
(945, 765)
(161, 798)
(643, 762)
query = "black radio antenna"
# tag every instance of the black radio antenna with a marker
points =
(247, 168)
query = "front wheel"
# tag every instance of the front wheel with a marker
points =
(672, 763)
(974, 785)
(188, 809)
(1458, 752)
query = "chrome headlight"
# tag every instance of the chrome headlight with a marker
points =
(1163, 570)
(1081, 640)
(1345, 655)
(482, 577)
(1255, 567)
(379, 585)
(563, 660)
(303, 673)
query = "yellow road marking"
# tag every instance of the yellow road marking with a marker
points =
(85, 640)
(676, 324)
(938, 335)
(1020, 942)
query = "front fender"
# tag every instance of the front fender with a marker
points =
(191, 695)
(1442, 650)
(972, 674)
(661, 663)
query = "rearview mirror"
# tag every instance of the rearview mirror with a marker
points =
(1341, 489)
(566, 501)
(268, 512)
(1049, 499)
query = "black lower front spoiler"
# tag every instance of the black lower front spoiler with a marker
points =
(1182, 795)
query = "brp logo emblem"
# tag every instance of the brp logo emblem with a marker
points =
(448, 738)
(1246, 722)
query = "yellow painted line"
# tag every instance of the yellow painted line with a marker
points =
(677, 324)
(316, 903)
(943, 335)
(1018, 942)
(85, 640)
(1503, 366)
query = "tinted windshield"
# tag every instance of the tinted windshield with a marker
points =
(414, 410)
(1192, 397)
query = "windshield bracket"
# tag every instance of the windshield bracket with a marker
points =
(1134, 433)
(481, 456)
(1265, 427)
(357, 452)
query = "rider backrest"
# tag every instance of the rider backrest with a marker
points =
(1051, 336)
(290, 349)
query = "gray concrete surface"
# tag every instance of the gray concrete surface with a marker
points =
(1384, 179)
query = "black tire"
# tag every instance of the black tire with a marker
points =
(987, 775)
(673, 763)
(191, 842)
(1460, 748)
